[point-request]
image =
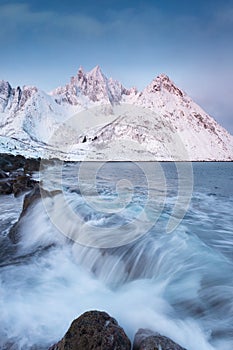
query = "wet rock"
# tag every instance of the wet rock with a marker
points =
(9, 162)
(94, 330)
(145, 339)
(23, 183)
(30, 200)
(3, 174)
(16, 184)
(6, 187)
(5, 163)
(15, 174)
(32, 165)
(32, 197)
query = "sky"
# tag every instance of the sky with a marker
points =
(43, 43)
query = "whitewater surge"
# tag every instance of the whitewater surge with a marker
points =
(179, 284)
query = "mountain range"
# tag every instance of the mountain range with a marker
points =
(96, 118)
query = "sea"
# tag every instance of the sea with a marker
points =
(150, 243)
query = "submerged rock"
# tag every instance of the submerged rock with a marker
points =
(94, 330)
(145, 339)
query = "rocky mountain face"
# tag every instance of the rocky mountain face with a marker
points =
(110, 121)
(94, 85)
(13, 99)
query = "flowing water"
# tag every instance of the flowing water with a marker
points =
(103, 243)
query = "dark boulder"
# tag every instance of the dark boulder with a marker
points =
(94, 330)
(145, 339)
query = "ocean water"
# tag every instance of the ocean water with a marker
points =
(149, 243)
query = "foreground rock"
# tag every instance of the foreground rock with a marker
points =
(94, 330)
(147, 340)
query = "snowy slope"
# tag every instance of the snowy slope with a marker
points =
(93, 117)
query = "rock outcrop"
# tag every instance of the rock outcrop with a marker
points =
(30, 200)
(145, 339)
(94, 330)
(16, 184)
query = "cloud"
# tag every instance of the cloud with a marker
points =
(145, 24)
(127, 26)
(16, 19)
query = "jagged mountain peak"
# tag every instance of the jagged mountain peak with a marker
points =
(3, 83)
(163, 82)
(163, 77)
(5, 93)
(97, 77)
(13, 99)
(95, 74)
(81, 70)
(5, 88)
(94, 85)
(30, 87)
(96, 71)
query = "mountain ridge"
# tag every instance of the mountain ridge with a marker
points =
(29, 115)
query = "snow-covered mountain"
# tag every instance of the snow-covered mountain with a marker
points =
(93, 117)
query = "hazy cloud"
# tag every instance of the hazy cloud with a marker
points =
(17, 18)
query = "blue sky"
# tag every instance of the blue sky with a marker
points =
(44, 42)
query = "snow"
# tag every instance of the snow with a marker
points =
(159, 123)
